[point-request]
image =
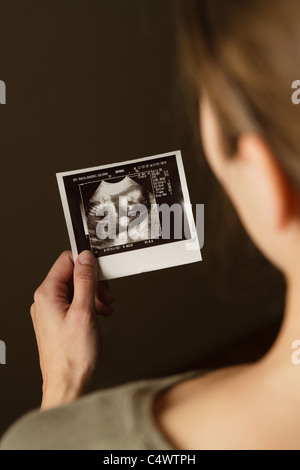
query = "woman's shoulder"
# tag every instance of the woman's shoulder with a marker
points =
(235, 408)
(114, 418)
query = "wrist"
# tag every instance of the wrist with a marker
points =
(62, 393)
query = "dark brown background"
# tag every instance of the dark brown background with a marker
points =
(93, 82)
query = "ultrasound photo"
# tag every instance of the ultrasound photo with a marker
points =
(132, 215)
(112, 208)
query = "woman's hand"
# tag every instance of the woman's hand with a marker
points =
(64, 319)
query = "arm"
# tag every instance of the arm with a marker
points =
(64, 319)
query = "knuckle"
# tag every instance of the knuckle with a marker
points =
(40, 293)
(37, 295)
(85, 276)
(81, 315)
(32, 310)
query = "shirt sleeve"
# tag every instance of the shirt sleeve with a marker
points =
(119, 418)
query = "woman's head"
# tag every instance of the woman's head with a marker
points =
(243, 57)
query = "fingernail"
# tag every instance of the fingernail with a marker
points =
(87, 258)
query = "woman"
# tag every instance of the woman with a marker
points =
(243, 59)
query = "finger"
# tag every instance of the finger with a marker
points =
(103, 293)
(62, 269)
(55, 287)
(102, 309)
(85, 281)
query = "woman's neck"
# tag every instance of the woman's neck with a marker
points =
(284, 349)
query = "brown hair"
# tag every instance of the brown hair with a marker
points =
(245, 55)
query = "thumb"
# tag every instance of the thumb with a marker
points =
(85, 281)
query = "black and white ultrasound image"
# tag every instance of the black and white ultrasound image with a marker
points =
(105, 204)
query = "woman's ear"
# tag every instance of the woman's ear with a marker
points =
(261, 186)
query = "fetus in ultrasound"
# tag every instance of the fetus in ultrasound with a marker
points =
(120, 213)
